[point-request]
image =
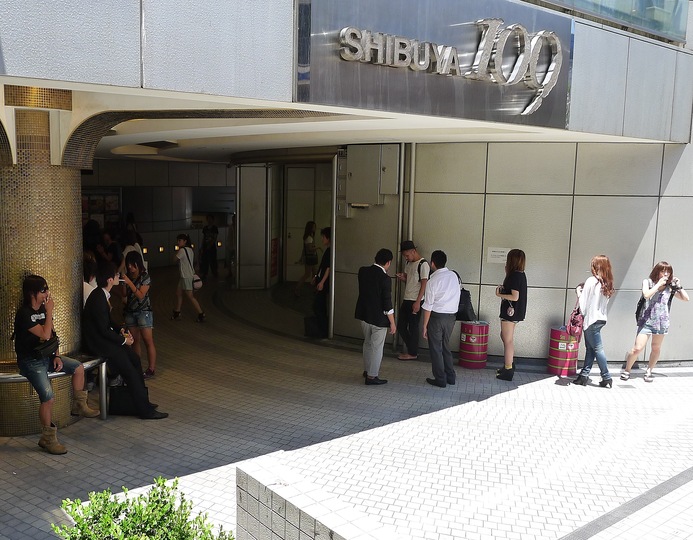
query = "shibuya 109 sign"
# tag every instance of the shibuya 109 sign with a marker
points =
(504, 56)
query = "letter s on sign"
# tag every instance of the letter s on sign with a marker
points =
(350, 40)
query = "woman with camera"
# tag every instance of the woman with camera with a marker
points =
(659, 291)
(36, 346)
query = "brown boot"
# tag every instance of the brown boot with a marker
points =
(80, 407)
(49, 441)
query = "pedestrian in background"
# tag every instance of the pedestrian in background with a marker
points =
(374, 310)
(513, 295)
(415, 277)
(440, 307)
(658, 290)
(593, 297)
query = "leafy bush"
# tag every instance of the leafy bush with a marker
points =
(160, 514)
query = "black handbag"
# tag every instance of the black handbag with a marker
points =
(465, 310)
(47, 348)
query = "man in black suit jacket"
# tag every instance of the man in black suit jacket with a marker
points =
(374, 310)
(100, 339)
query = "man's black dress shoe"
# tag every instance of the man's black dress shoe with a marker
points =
(436, 383)
(375, 380)
(451, 382)
(153, 405)
(156, 415)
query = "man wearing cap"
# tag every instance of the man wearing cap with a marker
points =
(415, 275)
(374, 310)
(440, 308)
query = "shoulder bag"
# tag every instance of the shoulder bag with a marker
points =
(574, 325)
(196, 281)
(465, 310)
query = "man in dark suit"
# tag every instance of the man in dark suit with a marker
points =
(374, 310)
(100, 339)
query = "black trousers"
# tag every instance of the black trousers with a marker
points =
(320, 310)
(408, 327)
(124, 361)
(208, 259)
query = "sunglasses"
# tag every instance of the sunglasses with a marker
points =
(44, 290)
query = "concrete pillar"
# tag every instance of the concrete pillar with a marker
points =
(40, 232)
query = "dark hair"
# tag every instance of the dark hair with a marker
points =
(326, 232)
(135, 259)
(383, 256)
(183, 236)
(106, 271)
(662, 266)
(515, 261)
(31, 286)
(129, 238)
(309, 229)
(601, 269)
(439, 258)
(89, 267)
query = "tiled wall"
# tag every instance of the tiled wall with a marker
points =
(276, 504)
(562, 203)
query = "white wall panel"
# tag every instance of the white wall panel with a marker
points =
(213, 174)
(649, 90)
(70, 40)
(151, 173)
(453, 223)
(622, 228)
(184, 174)
(224, 47)
(600, 62)
(683, 98)
(539, 225)
(544, 310)
(618, 169)
(453, 168)
(677, 177)
(674, 233)
(546, 168)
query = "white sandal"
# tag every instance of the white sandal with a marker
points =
(648, 375)
(625, 375)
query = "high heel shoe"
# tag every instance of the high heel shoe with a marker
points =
(606, 383)
(581, 380)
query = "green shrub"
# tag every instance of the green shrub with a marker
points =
(160, 514)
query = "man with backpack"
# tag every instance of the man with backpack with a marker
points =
(415, 276)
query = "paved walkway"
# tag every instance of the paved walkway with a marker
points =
(535, 458)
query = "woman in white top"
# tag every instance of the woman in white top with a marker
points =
(594, 297)
(185, 257)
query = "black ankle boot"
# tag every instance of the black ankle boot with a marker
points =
(581, 380)
(505, 374)
(501, 370)
(606, 383)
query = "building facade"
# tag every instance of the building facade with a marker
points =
(472, 127)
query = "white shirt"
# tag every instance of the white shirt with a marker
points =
(411, 289)
(87, 289)
(592, 302)
(442, 292)
(187, 270)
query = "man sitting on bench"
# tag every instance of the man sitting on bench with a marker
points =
(100, 339)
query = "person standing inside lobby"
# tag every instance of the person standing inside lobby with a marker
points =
(374, 310)
(440, 307)
(322, 284)
(415, 277)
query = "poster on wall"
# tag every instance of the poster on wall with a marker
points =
(102, 206)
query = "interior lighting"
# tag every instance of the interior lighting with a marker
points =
(219, 243)
(161, 249)
(144, 250)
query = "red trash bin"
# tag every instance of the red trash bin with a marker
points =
(563, 352)
(473, 344)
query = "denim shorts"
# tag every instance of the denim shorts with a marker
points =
(36, 372)
(647, 329)
(139, 319)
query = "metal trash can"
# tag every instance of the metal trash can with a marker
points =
(473, 344)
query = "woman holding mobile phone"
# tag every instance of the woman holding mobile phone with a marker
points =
(139, 318)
